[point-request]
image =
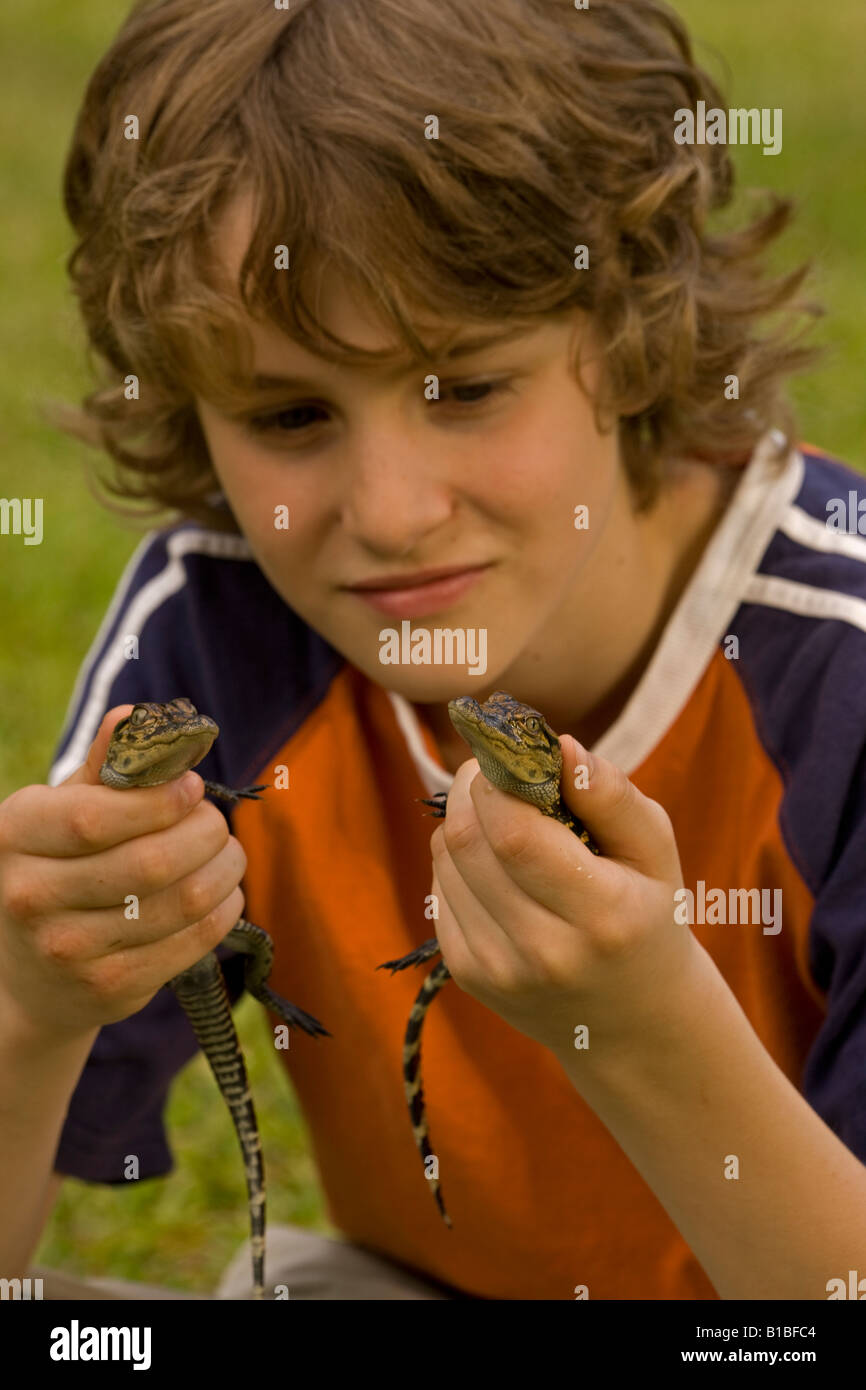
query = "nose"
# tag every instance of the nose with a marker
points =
(397, 491)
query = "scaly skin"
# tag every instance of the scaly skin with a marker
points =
(156, 744)
(518, 752)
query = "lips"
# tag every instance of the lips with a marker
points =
(398, 582)
(418, 595)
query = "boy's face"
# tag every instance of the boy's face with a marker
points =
(382, 482)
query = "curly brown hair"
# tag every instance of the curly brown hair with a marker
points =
(556, 130)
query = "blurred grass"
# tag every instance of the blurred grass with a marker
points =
(181, 1231)
(797, 56)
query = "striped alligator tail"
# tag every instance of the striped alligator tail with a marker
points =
(412, 1075)
(201, 992)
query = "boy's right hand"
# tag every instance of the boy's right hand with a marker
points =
(70, 959)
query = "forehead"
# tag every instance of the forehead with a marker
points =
(342, 307)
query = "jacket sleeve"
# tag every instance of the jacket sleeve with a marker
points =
(158, 640)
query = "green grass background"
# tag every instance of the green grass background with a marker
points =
(796, 55)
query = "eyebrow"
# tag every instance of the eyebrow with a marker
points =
(465, 348)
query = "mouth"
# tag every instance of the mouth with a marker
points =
(396, 583)
(413, 595)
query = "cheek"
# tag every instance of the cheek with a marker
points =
(269, 501)
(553, 461)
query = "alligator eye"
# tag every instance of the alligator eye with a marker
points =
(532, 725)
(139, 715)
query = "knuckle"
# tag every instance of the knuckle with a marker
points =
(483, 974)
(195, 898)
(555, 976)
(459, 836)
(615, 937)
(498, 977)
(60, 944)
(150, 869)
(215, 924)
(513, 844)
(496, 982)
(84, 824)
(105, 978)
(213, 826)
(622, 791)
(22, 898)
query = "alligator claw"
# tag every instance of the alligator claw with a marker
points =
(417, 957)
(229, 794)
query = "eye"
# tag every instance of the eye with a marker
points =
(287, 421)
(533, 725)
(473, 387)
(279, 420)
(139, 715)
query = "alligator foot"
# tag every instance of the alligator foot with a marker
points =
(424, 952)
(228, 794)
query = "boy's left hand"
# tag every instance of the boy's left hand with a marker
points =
(549, 935)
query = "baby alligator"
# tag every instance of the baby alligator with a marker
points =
(156, 744)
(517, 751)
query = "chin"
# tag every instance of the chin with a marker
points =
(428, 685)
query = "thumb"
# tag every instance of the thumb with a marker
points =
(624, 823)
(88, 773)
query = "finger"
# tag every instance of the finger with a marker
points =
(94, 933)
(88, 773)
(540, 855)
(142, 970)
(144, 865)
(68, 821)
(464, 951)
(625, 824)
(80, 816)
(498, 865)
(503, 845)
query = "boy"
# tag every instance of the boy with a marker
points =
(634, 1092)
